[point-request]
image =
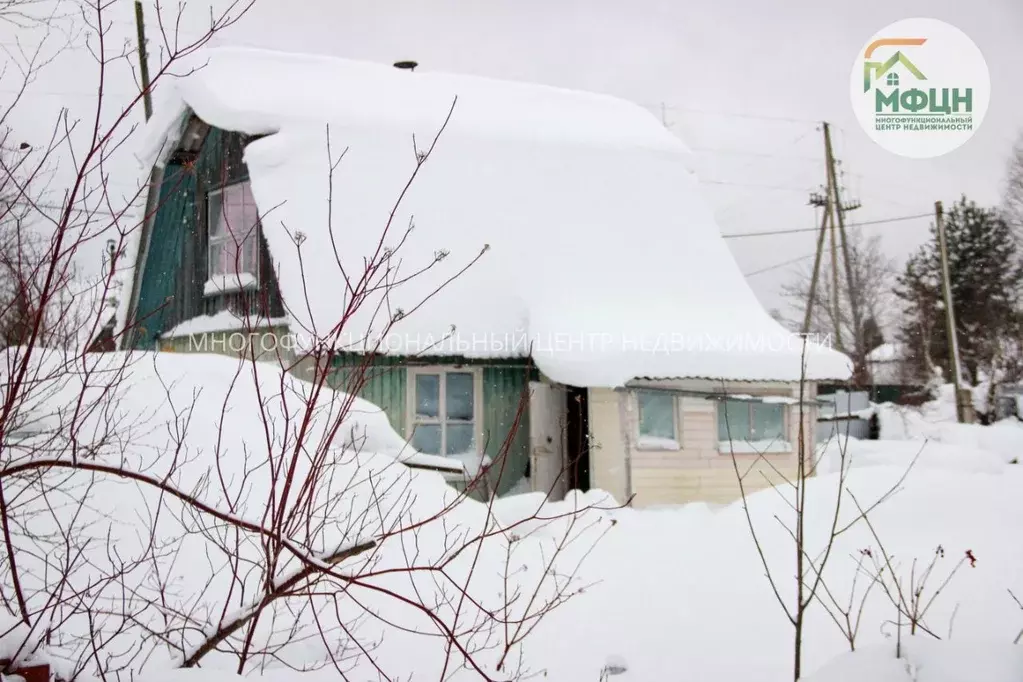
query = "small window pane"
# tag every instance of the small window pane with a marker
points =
(238, 214)
(218, 258)
(426, 438)
(460, 438)
(768, 422)
(656, 414)
(428, 395)
(233, 229)
(214, 206)
(733, 420)
(459, 402)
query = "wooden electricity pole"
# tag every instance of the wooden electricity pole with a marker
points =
(859, 351)
(832, 221)
(816, 200)
(836, 298)
(140, 26)
(962, 405)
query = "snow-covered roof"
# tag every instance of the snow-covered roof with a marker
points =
(598, 252)
(887, 352)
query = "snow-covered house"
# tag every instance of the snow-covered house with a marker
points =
(551, 286)
(892, 377)
(886, 363)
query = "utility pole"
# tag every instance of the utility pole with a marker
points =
(140, 25)
(816, 200)
(836, 298)
(859, 351)
(827, 228)
(950, 319)
(826, 203)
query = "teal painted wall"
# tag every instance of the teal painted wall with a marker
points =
(505, 399)
(384, 382)
(176, 267)
(174, 218)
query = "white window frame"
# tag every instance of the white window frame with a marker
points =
(654, 442)
(411, 418)
(745, 446)
(228, 282)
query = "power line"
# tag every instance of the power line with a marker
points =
(765, 155)
(737, 114)
(736, 235)
(788, 145)
(754, 185)
(779, 265)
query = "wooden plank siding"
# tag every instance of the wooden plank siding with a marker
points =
(176, 264)
(265, 342)
(697, 471)
(383, 380)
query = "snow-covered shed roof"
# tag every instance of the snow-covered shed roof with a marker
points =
(598, 252)
(887, 352)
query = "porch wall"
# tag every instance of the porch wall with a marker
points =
(695, 472)
(383, 380)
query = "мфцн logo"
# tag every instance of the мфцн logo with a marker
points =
(910, 113)
(873, 70)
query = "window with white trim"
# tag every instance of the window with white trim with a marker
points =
(657, 419)
(233, 239)
(444, 415)
(752, 426)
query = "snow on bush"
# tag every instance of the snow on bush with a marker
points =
(175, 510)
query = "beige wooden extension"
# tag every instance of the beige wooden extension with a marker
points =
(697, 470)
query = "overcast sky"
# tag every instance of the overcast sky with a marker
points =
(744, 83)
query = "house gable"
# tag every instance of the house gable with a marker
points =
(173, 258)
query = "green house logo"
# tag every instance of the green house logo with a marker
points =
(876, 70)
(915, 87)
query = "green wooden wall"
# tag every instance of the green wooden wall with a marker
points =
(170, 292)
(173, 220)
(176, 267)
(384, 382)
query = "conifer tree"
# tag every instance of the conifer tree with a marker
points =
(984, 273)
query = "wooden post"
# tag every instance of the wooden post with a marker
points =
(811, 299)
(950, 320)
(836, 300)
(859, 351)
(140, 26)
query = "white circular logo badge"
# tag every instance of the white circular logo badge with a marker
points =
(920, 88)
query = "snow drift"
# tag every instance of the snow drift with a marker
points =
(161, 489)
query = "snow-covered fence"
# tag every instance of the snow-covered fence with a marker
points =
(843, 414)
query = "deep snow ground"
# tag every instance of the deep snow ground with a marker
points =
(680, 593)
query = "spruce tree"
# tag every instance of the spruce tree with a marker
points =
(984, 272)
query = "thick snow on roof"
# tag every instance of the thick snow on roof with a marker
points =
(603, 258)
(887, 352)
